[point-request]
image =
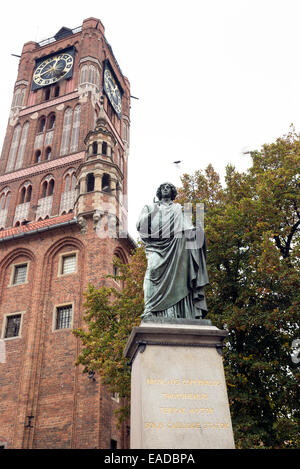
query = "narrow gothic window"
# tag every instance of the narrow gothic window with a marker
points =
(90, 183)
(48, 153)
(66, 131)
(42, 124)
(44, 189)
(104, 148)
(22, 146)
(95, 148)
(105, 182)
(75, 129)
(13, 148)
(37, 157)
(56, 91)
(23, 193)
(28, 194)
(51, 122)
(51, 187)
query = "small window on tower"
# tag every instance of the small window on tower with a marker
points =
(13, 326)
(56, 91)
(90, 182)
(47, 94)
(48, 153)
(51, 122)
(68, 264)
(106, 182)
(37, 156)
(63, 319)
(95, 148)
(104, 148)
(42, 124)
(19, 274)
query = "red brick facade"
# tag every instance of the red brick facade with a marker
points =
(52, 204)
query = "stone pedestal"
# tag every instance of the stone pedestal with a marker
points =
(178, 390)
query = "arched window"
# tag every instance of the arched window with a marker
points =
(92, 74)
(104, 148)
(67, 183)
(75, 128)
(84, 74)
(28, 194)
(95, 148)
(70, 180)
(22, 146)
(48, 153)
(23, 193)
(56, 91)
(41, 124)
(50, 187)
(44, 189)
(51, 122)
(37, 156)
(106, 182)
(13, 148)
(4, 199)
(90, 182)
(19, 97)
(64, 148)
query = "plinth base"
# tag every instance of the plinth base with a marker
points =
(178, 390)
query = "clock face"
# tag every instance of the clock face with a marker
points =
(112, 91)
(53, 69)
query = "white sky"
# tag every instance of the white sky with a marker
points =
(214, 78)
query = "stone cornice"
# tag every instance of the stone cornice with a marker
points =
(41, 168)
(46, 104)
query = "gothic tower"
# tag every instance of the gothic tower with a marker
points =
(63, 218)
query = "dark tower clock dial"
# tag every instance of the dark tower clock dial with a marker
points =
(52, 69)
(112, 90)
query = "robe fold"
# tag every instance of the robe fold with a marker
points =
(176, 263)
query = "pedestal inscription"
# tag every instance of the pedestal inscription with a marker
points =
(179, 397)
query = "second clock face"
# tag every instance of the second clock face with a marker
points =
(112, 91)
(53, 69)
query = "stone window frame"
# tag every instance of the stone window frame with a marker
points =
(4, 324)
(12, 274)
(54, 318)
(61, 260)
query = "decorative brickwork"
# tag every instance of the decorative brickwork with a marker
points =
(45, 401)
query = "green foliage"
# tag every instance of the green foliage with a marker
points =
(111, 314)
(252, 230)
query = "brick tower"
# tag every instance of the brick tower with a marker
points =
(63, 217)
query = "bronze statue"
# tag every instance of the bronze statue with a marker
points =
(176, 253)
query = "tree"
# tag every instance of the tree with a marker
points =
(111, 314)
(252, 230)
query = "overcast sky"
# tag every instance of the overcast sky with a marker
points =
(214, 78)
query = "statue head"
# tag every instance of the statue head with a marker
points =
(173, 191)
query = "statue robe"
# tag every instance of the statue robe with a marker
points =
(176, 271)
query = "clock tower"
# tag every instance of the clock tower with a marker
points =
(63, 219)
